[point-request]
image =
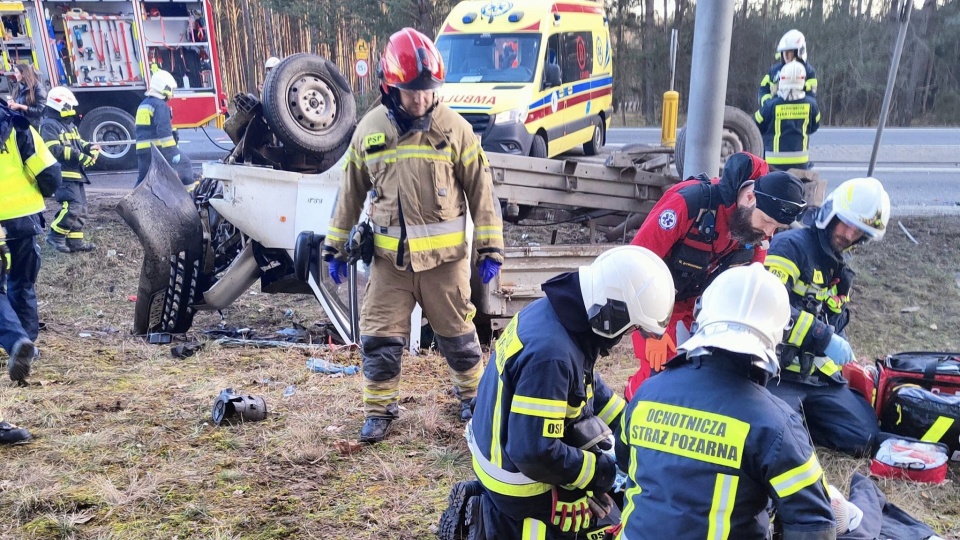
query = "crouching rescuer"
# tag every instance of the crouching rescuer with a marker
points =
(423, 166)
(541, 436)
(74, 154)
(709, 450)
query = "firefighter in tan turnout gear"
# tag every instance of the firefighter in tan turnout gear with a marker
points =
(424, 168)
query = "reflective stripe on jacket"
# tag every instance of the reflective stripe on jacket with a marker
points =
(535, 385)
(807, 266)
(786, 127)
(703, 465)
(154, 124)
(422, 183)
(63, 140)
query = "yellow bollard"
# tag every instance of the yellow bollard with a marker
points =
(668, 125)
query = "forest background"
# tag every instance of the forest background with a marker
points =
(850, 43)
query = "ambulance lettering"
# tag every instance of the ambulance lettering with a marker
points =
(470, 100)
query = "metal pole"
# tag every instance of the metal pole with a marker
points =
(906, 7)
(673, 57)
(708, 86)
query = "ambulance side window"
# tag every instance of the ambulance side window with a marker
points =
(551, 55)
(576, 59)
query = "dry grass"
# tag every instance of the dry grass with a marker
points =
(124, 446)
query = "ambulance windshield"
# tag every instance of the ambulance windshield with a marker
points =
(473, 58)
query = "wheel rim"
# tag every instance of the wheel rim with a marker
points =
(313, 103)
(597, 143)
(730, 143)
(107, 131)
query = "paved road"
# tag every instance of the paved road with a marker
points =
(920, 166)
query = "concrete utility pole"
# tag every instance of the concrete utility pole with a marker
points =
(708, 86)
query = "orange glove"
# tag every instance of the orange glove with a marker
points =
(658, 351)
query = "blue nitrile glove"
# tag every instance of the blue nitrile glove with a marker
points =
(489, 269)
(337, 269)
(319, 365)
(839, 350)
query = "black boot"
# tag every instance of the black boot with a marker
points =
(20, 358)
(58, 242)
(11, 434)
(77, 245)
(374, 429)
(466, 409)
(453, 525)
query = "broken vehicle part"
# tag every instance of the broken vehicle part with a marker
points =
(232, 407)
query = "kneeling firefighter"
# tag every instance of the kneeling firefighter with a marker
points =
(541, 435)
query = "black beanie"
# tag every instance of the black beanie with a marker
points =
(780, 196)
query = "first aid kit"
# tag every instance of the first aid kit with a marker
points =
(918, 395)
(908, 458)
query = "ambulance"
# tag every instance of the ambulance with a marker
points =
(533, 78)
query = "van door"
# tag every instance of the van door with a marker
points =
(576, 64)
(547, 107)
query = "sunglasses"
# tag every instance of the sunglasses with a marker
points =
(788, 209)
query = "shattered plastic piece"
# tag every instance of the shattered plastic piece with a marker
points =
(290, 390)
(132, 298)
(85, 334)
(229, 406)
(186, 350)
(319, 365)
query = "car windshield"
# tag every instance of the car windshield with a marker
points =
(471, 58)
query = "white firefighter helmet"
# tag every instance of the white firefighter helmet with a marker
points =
(744, 311)
(162, 85)
(271, 63)
(860, 203)
(626, 287)
(793, 40)
(61, 99)
(791, 81)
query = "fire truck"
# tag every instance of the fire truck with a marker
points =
(105, 52)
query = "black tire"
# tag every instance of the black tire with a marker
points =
(740, 134)
(593, 146)
(539, 147)
(308, 104)
(111, 124)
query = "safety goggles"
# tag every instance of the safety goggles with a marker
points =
(782, 209)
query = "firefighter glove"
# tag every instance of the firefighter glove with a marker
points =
(604, 475)
(88, 160)
(836, 302)
(659, 351)
(839, 350)
(489, 269)
(337, 269)
(570, 516)
(5, 259)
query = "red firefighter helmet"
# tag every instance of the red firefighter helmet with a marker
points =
(411, 62)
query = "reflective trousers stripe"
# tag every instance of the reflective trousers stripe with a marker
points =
(787, 158)
(65, 207)
(534, 530)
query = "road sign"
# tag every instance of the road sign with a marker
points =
(361, 50)
(361, 68)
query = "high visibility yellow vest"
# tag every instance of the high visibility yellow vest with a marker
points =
(19, 194)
